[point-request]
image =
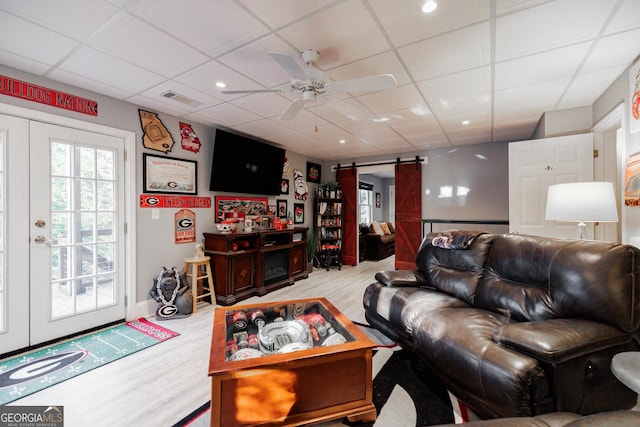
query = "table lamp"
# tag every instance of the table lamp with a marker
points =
(582, 202)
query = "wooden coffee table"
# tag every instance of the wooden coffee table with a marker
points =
(305, 369)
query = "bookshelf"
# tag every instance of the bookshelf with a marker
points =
(328, 226)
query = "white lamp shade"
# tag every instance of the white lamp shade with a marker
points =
(582, 201)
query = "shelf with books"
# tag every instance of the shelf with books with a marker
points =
(328, 228)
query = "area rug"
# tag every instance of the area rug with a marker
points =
(404, 394)
(30, 372)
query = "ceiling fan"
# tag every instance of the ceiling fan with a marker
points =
(312, 83)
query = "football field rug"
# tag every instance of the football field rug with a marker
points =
(30, 372)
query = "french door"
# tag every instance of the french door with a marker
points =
(65, 229)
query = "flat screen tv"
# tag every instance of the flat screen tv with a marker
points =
(244, 165)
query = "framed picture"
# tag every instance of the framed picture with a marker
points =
(239, 207)
(281, 205)
(169, 175)
(634, 98)
(284, 186)
(271, 210)
(313, 172)
(377, 200)
(298, 213)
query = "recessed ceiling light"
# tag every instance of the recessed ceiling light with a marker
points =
(342, 141)
(221, 84)
(429, 6)
(465, 122)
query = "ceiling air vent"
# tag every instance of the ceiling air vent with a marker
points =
(181, 98)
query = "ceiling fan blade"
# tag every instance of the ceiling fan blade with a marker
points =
(379, 82)
(293, 109)
(348, 110)
(232, 92)
(289, 64)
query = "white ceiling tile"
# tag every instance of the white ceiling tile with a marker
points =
(263, 127)
(264, 104)
(98, 66)
(25, 39)
(626, 18)
(460, 96)
(89, 84)
(19, 62)
(619, 49)
(526, 103)
(137, 42)
(304, 120)
(205, 77)
(408, 24)
(452, 52)
(510, 6)
(277, 13)
(406, 96)
(540, 67)
(338, 37)
(587, 87)
(156, 105)
(227, 114)
(385, 63)
(62, 16)
(547, 27)
(216, 28)
(254, 61)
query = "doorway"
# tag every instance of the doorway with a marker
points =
(62, 258)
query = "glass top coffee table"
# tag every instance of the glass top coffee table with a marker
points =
(288, 363)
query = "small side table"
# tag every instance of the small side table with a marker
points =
(196, 265)
(626, 367)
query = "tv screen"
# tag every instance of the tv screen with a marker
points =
(244, 165)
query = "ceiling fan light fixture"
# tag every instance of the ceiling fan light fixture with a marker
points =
(429, 6)
(309, 95)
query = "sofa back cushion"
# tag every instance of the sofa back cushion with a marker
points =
(537, 278)
(455, 272)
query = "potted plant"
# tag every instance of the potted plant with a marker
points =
(312, 248)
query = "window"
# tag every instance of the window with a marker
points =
(366, 200)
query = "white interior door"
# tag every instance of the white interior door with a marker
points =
(14, 240)
(76, 229)
(536, 164)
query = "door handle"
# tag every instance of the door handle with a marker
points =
(42, 240)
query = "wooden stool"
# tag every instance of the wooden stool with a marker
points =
(195, 264)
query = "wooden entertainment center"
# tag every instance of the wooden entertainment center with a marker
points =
(245, 264)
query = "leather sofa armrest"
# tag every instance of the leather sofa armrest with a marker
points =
(401, 278)
(559, 340)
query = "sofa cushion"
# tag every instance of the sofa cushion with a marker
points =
(375, 226)
(392, 229)
(365, 229)
(385, 228)
(402, 307)
(537, 278)
(456, 272)
(457, 343)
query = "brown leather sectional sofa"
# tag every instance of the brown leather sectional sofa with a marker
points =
(516, 325)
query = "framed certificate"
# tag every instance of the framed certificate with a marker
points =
(169, 175)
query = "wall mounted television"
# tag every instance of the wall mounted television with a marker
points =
(244, 165)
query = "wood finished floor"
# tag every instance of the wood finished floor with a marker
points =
(160, 385)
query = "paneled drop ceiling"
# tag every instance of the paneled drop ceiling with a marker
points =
(496, 65)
